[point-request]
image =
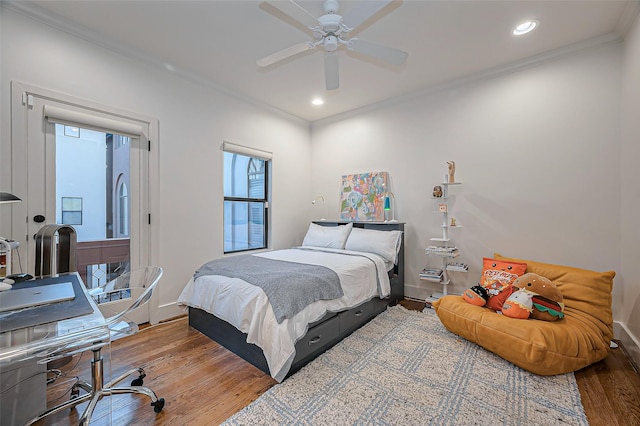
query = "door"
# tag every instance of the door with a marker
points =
(89, 169)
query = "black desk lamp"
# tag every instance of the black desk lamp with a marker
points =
(7, 197)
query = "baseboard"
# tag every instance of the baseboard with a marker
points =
(630, 343)
(417, 292)
(423, 293)
(168, 311)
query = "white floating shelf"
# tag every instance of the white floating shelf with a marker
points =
(433, 280)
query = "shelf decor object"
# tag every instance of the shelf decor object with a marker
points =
(441, 247)
(452, 171)
(389, 207)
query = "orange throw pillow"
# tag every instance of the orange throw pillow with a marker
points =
(498, 277)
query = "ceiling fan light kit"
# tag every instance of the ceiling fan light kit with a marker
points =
(331, 32)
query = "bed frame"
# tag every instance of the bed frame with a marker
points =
(322, 334)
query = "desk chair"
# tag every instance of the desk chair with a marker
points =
(140, 282)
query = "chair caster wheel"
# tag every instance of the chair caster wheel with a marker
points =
(138, 381)
(158, 405)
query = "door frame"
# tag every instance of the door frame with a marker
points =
(20, 103)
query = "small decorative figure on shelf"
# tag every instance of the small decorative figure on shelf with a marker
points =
(453, 222)
(437, 191)
(452, 171)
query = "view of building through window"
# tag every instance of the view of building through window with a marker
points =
(92, 195)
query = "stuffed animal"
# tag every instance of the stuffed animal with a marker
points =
(519, 304)
(476, 295)
(547, 303)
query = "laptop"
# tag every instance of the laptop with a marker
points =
(14, 299)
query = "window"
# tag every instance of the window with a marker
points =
(71, 210)
(123, 210)
(245, 202)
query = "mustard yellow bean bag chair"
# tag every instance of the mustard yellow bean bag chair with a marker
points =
(579, 339)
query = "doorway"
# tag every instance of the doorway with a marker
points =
(89, 167)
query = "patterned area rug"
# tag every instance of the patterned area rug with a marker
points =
(405, 368)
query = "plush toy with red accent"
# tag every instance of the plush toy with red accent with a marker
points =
(476, 295)
(519, 304)
(497, 278)
(535, 297)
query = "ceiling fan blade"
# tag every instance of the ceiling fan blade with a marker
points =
(387, 54)
(284, 54)
(295, 11)
(331, 71)
(363, 11)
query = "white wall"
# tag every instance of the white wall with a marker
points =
(546, 172)
(537, 151)
(194, 120)
(629, 297)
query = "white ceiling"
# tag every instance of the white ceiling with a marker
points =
(218, 42)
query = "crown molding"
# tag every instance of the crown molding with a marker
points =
(57, 22)
(528, 62)
(627, 18)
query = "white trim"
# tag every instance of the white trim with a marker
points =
(40, 14)
(627, 18)
(628, 340)
(19, 165)
(170, 310)
(475, 77)
(245, 150)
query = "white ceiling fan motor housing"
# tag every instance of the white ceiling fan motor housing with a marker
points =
(331, 6)
(330, 43)
(330, 23)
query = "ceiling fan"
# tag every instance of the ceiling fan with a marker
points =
(331, 32)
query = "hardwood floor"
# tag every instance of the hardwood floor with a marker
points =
(204, 384)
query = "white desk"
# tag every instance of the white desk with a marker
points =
(32, 337)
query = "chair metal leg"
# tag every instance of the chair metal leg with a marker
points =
(81, 384)
(109, 389)
(88, 412)
(143, 390)
(69, 404)
(124, 375)
(97, 390)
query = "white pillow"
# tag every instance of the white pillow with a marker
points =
(383, 243)
(327, 236)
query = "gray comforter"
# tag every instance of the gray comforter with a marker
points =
(289, 286)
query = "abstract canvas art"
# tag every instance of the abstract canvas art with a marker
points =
(362, 196)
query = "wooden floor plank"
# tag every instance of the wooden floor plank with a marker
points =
(203, 383)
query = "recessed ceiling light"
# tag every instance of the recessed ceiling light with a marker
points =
(525, 27)
(317, 101)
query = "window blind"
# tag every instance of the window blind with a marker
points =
(247, 151)
(100, 123)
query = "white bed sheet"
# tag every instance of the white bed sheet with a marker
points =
(246, 306)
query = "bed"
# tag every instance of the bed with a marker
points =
(367, 257)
